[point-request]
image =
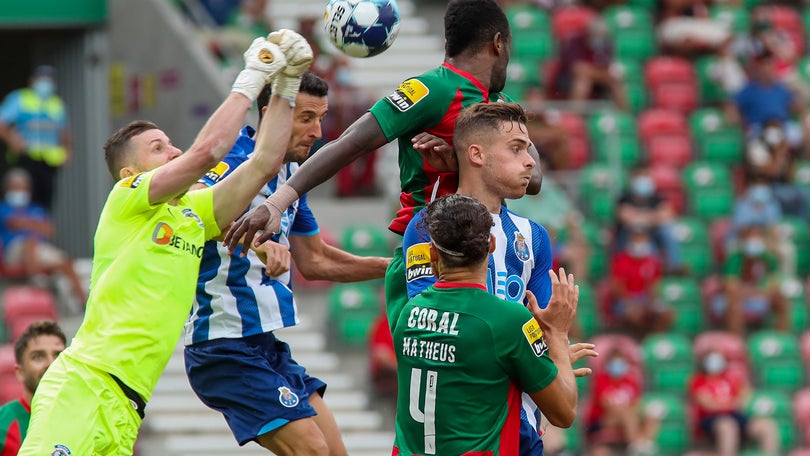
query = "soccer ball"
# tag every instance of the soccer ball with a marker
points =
(361, 28)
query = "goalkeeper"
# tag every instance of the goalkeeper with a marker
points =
(147, 252)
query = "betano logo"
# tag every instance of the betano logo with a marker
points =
(163, 234)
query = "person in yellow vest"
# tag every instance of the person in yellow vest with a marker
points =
(33, 124)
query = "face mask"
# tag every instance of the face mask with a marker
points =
(639, 249)
(773, 136)
(44, 87)
(642, 186)
(616, 367)
(18, 198)
(760, 193)
(714, 363)
(754, 247)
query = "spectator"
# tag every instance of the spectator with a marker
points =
(614, 420)
(634, 275)
(33, 123)
(768, 157)
(34, 351)
(643, 207)
(25, 231)
(719, 395)
(585, 67)
(685, 28)
(382, 358)
(764, 98)
(750, 289)
(546, 132)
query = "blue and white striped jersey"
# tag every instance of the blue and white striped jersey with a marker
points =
(234, 296)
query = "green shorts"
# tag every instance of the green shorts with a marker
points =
(396, 289)
(79, 410)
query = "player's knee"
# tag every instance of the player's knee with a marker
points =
(297, 438)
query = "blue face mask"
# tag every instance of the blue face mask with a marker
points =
(714, 363)
(642, 186)
(44, 87)
(616, 367)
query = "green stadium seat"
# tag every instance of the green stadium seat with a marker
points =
(693, 240)
(352, 310)
(668, 361)
(365, 240)
(670, 409)
(531, 32)
(598, 240)
(614, 133)
(738, 18)
(801, 174)
(587, 311)
(793, 289)
(683, 295)
(522, 73)
(599, 188)
(710, 90)
(750, 4)
(778, 406)
(716, 140)
(648, 4)
(777, 359)
(794, 229)
(632, 32)
(709, 190)
(637, 96)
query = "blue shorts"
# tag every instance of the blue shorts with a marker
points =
(707, 423)
(253, 381)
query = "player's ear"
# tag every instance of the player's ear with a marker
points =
(491, 242)
(126, 172)
(499, 43)
(475, 154)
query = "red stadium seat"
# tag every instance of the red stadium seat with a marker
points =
(654, 122)
(664, 69)
(668, 182)
(578, 137)
(665, 136)
(605, 343)
(571, 20)
(672, 83)
(680, 96)
(10, 388)
(7, 360)
(20, 301)
(804, 346)
(800, 452)
(788, 20)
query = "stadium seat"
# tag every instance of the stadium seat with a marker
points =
(794, 229)
(788, 19)
(718, 233)
(668, 361)
(649, 5)
(716, 140)
(365, 240)
(737, 18)
(599, 242)
(531, 32)
(578, 138)
(24, 301)
(793, 289)
(665, 136)
(571, 20)
(777, 360)
(522, 73)
(776, 405)
(693, 240)
(599, 188)
(668, 183)
(801, 413)
(804, 346)
(587, 311)
(672, 83)
(673, 436)
(636, 95)
(352, 310)
(10, 388)
(709, 190)
(801, 174)
(632, 31)
(613, 134)
(711, 92)
(683, 295)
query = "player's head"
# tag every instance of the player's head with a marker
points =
(475, 26)
(491, 142)
(311, 105)
(35, 350)
(459, 228)
(140, 146)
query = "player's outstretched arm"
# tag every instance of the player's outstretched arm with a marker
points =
(362, 137)
(318, 260)
(558, 400)
(262, 61)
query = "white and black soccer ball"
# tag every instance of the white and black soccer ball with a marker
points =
(361, 28)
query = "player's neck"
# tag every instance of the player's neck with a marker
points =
(479, 192)
(474, 65)
(465, 275)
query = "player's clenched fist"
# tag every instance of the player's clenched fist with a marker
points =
(299, 57)
(263, 60)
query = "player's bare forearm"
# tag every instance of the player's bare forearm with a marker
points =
(361, 138)
(319, 261)
(536, 182)
(558, 400)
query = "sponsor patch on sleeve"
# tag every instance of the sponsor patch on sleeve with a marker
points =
(216, 173)
(534, 335)
(132, 181)
(408, 94)
(417, 262)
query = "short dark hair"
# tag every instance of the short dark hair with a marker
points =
(459, 226)
(483, 119)
(311, 84)
(117, 145)
(36, 329)
(470, 24)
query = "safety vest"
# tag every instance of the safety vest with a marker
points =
(33, 105)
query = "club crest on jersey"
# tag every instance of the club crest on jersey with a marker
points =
(217, 172)
(408, 94)
(417, 262)
(521, 249)
(287, 397)
(61, 450)
(132, 181)
(534, 335)
(190, 214)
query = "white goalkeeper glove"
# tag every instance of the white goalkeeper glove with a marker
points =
(299, 57)
(263, 60)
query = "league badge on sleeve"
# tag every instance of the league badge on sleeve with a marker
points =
(417, 262)
(218, 172)
(408, 94)
(287, 397)
(534, 335)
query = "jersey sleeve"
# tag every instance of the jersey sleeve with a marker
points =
(525, 353)
(304, 223)
(131, 194)
(202, 201)
(10, 109)
(540, 282)
(413, 106)
(416, 250)
(235, 157)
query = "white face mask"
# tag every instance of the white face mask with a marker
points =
(639, 249)
(754, 247)
(18, 198)
(642, 186)
(773, 136)
(44, 87)
(714, 363)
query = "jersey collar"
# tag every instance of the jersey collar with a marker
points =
(459, 285)
(471, 78)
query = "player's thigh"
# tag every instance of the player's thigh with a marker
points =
(327, 424)
(300, 437)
